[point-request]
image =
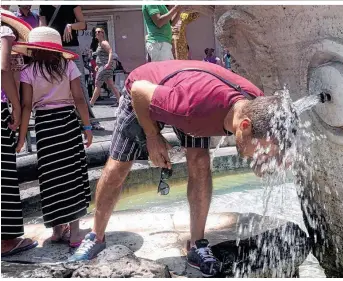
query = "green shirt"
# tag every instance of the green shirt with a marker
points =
(156, 34)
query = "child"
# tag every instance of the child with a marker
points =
(12, 225)
(51, 85)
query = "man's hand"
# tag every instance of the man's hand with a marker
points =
(16, 118)
(158, 151)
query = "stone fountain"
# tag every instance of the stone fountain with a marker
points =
(300, 47)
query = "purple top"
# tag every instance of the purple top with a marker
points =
(32, 18)
(3, 96)
(211, 59)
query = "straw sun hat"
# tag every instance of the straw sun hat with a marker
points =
(43, 38)
(21, 26)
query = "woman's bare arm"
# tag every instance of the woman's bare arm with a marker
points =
(26, 113)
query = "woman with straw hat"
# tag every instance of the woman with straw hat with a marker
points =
(12, 227)
(51, 85)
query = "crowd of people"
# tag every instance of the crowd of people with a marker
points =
(199, 99)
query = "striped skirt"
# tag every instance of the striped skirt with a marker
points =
(62, 167)
(11, 207)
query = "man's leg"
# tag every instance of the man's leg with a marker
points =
(160, 51)
(123, 151)
(167, 51)
(199, 193)
(107, 193)
(199, 190)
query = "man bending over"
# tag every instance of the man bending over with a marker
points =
(199, 100)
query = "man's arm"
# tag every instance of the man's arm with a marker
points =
(141, 93)
(160, 20)
(175, 18)
(80, 23)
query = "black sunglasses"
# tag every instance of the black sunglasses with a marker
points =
(163, 187)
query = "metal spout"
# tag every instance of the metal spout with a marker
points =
(324, 97)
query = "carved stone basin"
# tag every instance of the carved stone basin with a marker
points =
(300, 47)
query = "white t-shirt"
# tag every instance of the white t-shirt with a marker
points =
(48, 95)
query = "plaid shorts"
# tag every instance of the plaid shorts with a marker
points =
(128, 140)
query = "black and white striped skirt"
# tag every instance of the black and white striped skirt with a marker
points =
(62, 167)
(11, 206)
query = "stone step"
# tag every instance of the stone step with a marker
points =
(98, 152)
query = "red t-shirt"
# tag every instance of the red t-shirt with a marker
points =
(194, 102)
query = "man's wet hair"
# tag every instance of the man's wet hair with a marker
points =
(272, 117)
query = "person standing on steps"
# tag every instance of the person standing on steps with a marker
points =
(12, 224)
(67, 20)
(180, 46)
(227, 59)
(104, 66)
(199, 100)
(211, 57)
(159, 21)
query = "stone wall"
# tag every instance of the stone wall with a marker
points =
(300, 47)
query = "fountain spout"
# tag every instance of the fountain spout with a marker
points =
(324, 97)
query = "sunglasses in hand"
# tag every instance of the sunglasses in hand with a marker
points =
(163, 187)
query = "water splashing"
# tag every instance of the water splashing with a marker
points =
(294, 161)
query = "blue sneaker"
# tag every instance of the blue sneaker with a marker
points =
(88, 249)
(200, 256)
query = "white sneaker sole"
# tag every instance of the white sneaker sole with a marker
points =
(198, 268)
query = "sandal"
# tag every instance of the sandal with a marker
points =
(17, 249)
(75, 245)
(64, 238)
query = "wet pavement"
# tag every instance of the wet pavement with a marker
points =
(160, 232)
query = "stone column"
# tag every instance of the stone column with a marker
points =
(300, 47)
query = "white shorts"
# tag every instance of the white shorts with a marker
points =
(159, 51)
